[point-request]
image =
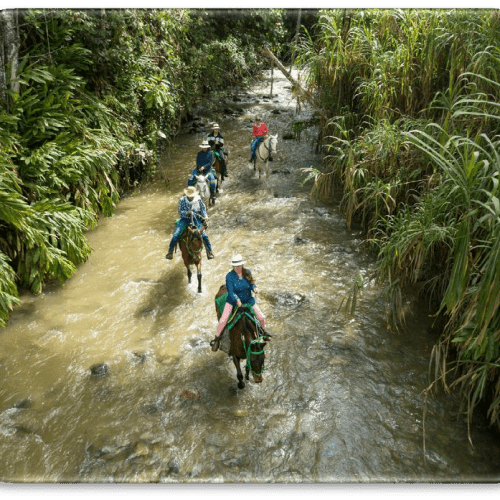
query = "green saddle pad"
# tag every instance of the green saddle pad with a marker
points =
(221, 302)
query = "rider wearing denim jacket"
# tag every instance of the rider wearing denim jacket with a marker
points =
(190, 207)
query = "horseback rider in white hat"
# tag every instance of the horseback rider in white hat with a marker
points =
(191, 208)
(204, 161)
(240, 285)
(216, 142)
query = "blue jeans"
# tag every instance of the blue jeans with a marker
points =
(254, 145)
(183, 223)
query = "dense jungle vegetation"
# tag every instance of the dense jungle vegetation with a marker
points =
(413, 138)
(88, 97)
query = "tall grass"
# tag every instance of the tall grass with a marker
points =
(414, 142)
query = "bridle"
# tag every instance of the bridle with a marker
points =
(189, 237)
(248, 350)
(269, 149)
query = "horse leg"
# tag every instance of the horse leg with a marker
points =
(189, 273)
(267, 169)
(198, 274)
(247, 372)
(239, 375)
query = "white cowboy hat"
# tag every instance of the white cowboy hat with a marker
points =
(204, 144)
(191, 192)
(237, 260)
(215, 125)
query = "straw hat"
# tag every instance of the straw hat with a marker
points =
(237, 260)
(215, 125)
(192, 193)
(204, 144)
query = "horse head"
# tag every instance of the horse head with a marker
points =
(273, 143)
(254, 341)
(202, 186)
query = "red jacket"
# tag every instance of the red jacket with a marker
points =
(261, 130)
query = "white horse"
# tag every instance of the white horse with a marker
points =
(204, 189)
(266, 149)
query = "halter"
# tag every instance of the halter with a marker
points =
(189, 241)
(248, 351)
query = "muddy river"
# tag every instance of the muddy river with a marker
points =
(341, 399)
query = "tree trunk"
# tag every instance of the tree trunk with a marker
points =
(9, 52)
(295, 83)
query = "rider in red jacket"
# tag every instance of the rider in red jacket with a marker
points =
(260, 131)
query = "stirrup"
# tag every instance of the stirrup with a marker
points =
(214, 344)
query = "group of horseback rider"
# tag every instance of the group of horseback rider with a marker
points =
(192, 210)
(191, 207)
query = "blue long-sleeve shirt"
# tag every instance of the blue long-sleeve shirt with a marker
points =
(204, 159)
(196, 206)
(239, 288)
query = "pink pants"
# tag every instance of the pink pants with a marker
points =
(227, 311)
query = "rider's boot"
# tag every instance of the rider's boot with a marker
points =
(170, 255)
(214, 344)
(210, 254)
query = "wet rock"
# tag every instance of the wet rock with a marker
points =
(139, 357)
(23, 403)
(285, 299)
(99, 370)
(190, 394)
(276, 112)
(321, 211)
(283, 171)
(173, 468)
(196, 342)
(343, 249)
(299, 240)
(287, 136)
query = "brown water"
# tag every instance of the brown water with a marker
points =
(341, 398)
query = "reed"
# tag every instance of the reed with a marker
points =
(414, 143)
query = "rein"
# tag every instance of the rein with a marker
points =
(268, 151)
(189, 244)
(248, 350)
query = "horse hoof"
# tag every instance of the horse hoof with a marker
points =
(241, 385)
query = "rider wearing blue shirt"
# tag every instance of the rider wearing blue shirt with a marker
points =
(240, 285)
(190, 207)
(204, 162)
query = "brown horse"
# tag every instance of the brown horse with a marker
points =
(218, 172)
(191, 245)
(248, 340)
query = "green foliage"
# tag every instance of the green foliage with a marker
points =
(96, 95)
(414, 141)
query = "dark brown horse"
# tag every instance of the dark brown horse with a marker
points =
(248, 340)
(191, 245)
(218, 171)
